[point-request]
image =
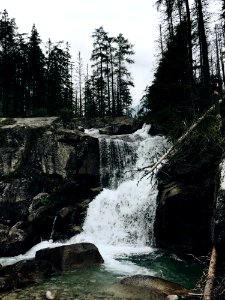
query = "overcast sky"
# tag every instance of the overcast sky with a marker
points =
(75, 20)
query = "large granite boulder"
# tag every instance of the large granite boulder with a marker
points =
(47, 263)
(157, 288)
(24, 273)
(66, 258)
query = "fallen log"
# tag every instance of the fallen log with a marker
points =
(207, 295)
(151, 168)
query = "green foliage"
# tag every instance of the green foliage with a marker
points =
(40, 112)
(111, 80)
(65, 114)
(46, 200)
(30, 81)
(204, 145)
(169, 101)
(37, 83)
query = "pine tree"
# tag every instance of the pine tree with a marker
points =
(90, 105)
(7, 63)
(204, 57)
(36, 65)
(168, 99)
(124, 51)
(98, 57)
(21, 84)
(58, 80)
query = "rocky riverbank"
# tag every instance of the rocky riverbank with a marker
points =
(49, 173)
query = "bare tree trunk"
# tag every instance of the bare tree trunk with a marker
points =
(207, 295)
(205, 74)
(151, 169)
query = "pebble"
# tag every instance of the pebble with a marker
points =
(172, 297)
(51, 295)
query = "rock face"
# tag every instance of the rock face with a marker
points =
(17, 238)
(49, 172)
(39, 156)
(185, 207)
(66, 258)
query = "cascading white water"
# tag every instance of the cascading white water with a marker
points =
(117, 158)
(120, 219)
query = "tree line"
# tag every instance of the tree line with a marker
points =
(107, 89)
(190, 72)
(42, 80)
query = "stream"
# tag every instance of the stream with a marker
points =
(120, 223)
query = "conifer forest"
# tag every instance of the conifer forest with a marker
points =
(38, 79)
(190, 74)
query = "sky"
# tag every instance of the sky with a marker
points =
(74, 21)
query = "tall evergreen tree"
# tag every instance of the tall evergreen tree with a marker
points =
(124, 51)
(7, 63)
(98, 57)
(204, 56)
(36, 76)
(168, 99)
(58, 73)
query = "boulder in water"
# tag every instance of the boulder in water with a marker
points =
(69, 257)
(155, 285)
(24, 273)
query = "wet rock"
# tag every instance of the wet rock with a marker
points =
(17, 239)
(24, 273)
(157, 285)
(38, 201)
(115, 125)
(69, 257)
(120, 125)
(32, 153)
(44, 168)
(16, 233)
(65, 211)
(80, 128)
(76, 229)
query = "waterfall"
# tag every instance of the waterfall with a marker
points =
(122, 214)
(120, 219)
(117, 158)
(53, 228)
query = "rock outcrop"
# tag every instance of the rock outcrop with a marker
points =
(48, 262)
(24, 273)
(185, 206)
(66, 258)
(108, 125)
(44, 167)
